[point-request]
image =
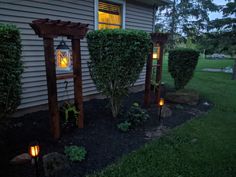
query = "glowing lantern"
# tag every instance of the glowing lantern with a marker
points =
(156, 52)
(63, 61)
(161, 102)
(34, 150)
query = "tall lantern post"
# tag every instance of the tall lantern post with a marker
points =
(155, 59)
(56, 67)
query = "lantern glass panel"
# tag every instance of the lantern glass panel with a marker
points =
(63, 58)
(156, 52)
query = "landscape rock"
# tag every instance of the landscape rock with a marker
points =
(206, 104)
(21, 159)
(156, 133)
(54, 163)
(166, 112)
(183, 97)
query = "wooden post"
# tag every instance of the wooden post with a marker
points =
(159, 73)
(78, 93)
(147, 93)
(52, 86)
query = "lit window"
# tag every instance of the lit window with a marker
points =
(109, 16)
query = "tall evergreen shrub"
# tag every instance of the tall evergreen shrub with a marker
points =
(181, 65)
(10, 69)
(117, 58)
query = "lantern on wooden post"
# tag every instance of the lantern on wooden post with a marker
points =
(48, 30)
(63, 61)
(158, 41)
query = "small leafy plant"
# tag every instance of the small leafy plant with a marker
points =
(124, 126)
(136, 115)
(75, 153)
(69, 108)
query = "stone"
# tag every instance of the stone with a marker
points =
(54, 163)
(166, 112)
(156, 133)
(206, 104)
(183, 97)
(21, 159)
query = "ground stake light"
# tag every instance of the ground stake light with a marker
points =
(63, 61)
(161, 104)
(34, 150)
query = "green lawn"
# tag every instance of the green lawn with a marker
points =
(204, 147)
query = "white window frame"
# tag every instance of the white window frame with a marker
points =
(120, 2)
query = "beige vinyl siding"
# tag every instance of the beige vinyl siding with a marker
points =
(23, 12)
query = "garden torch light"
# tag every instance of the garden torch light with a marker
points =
(34, 150)
(161, 104)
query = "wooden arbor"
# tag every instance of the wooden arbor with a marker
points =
(49, 29)
(158, 39)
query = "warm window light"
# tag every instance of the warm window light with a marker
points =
(63, 62)
(161, 102)
(34, 150)
(109, 16)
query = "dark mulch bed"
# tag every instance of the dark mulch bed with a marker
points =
(101, 138)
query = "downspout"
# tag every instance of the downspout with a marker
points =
(155, 7)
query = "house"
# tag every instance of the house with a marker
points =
(127, 14)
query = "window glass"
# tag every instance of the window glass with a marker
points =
(109, 16)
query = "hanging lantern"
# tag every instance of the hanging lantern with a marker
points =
(156, 52)
(63, 61)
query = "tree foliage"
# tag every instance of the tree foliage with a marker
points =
(181, 65)
(10, 69)
(117, 58)
(184, 19)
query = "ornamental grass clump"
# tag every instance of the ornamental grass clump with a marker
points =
(181, 65)
(11, 69)
(116, 59)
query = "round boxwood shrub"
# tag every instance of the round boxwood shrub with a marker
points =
(10, 69)
(117, 58)
(181, 65)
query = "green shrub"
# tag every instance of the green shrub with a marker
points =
(10, 69)
(124, 126)
(117, 58)
(181, 65)
(75, 153)
(136, 115)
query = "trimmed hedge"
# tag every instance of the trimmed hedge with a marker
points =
(181, 65)
(117, 58)
(10, 69)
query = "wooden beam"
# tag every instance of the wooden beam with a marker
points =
(159, 73)
(65, 76)
(52, 87)
(147, 94)
(78, 93)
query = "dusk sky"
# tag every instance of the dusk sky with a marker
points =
(217, 15)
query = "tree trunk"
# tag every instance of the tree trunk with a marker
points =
(173, 26)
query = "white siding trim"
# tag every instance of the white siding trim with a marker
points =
(121, 2)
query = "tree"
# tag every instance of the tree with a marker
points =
(222, 35)
(184, 18)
